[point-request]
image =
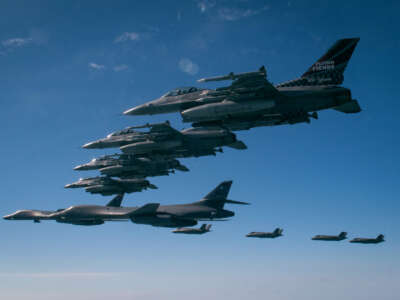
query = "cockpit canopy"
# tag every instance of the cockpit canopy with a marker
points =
(121, 132)
(182, 91)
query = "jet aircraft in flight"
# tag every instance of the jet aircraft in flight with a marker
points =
(252, 101)
(377, 240)
(109, 186)
(276, 233)
(211, 207)
(185, 230)
(339, 237)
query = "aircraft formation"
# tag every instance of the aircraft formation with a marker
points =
(149, 150)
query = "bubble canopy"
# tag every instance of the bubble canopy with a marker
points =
(182, 91)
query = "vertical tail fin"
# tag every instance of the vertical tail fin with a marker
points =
(208, 227)
(220, 192)
(380, 237)
(343, 234)
(116, 201)
(329, 68)
(203, 227)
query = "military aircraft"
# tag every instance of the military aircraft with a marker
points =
(339, 237)
(191, 139)
(185, 230)
(276, 233)
(252, 101)
(211, 207)
(162, 139)
(129, 166)
(109, 186)
(377, 240)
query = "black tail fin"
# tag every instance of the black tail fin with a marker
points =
(208, 227)
(203, 227)
(328, 70)
(380, 237)
(220, 192)
(116, 201)
(217, 197)
(343, 234)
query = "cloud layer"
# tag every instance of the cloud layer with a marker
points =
(187, 66)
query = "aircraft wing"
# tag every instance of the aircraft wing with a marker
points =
(164, 128)
(246, 82)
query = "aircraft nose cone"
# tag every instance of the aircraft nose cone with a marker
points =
(137, 110)
(8, 217)
(91, 145)
(78, 168)
(68, 186)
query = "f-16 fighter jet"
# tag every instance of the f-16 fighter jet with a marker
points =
(129, 166)
(165, 140)
(276, 233)
(339, 237)
(192, 140)
(377, 240)
(251, 100)
(109, 186)
(211, 207)
(184, 230)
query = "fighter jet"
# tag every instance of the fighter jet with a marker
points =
(211, 207)
(109, 186)
(339, 237)
(130, 166)
(184, 230)
(193, 140)
(162, 139)
(377, 240)
(276, 233)
(129, 135)
(252, 101)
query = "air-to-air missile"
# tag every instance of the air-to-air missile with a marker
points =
(339, 237)
(185, 230)
(251, 100)
(109, 186)
(276, 233)
(377, 240)
(122, 165)
(163, 139)
(211, 207)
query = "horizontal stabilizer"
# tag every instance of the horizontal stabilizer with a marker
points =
(236, 202)
(238, 145)
(147, 209)
(349, 107)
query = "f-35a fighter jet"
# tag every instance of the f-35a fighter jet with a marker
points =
(339, 237)
(109, 186)
(185, 230)
(251, 100)
(377, 240)
(163, 139)
(211, 207)
(276, 233)
(130, 166)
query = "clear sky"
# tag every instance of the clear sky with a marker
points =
(69, 68)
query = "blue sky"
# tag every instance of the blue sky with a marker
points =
(69, 68)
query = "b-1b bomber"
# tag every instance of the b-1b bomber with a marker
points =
(211, 207)
(107, 186)
(251, 100)
(165, 140)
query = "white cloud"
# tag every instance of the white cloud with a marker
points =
(120, 68)
(205, 5)
(16, 42)
(234, 14)
(127, 36)
(96, 66)
(187, 66)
